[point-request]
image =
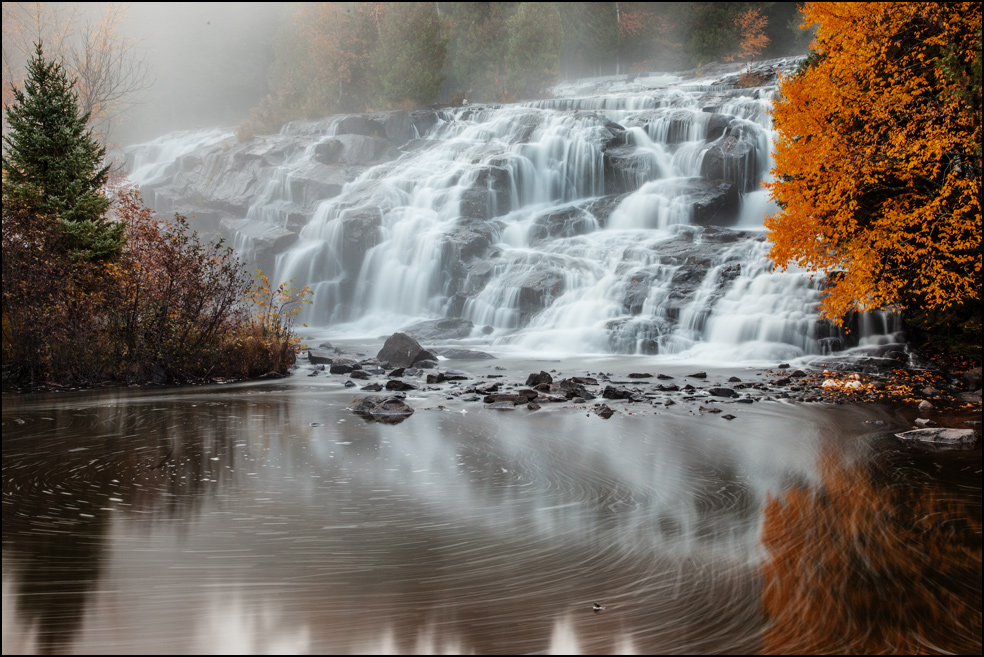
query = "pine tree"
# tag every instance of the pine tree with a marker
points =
(52, 162)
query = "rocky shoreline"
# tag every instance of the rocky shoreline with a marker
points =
(929, 400)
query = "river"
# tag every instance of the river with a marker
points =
(264, 517)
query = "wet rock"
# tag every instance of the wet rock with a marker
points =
(640, 375)
(715, 203)
(925, 405)
(709, 409)
(698, 375)
(440, 329)
(972, 378)
(400, 385)
(570, 389)
(603, 411)
(729, 416)
(722, 392)
(533, 406)
(359, 374)
(433, 379)
(923, 422)
(320, 357)
(616, 392)
(969, 397)
(344, 366)
(463, 354)
(381, 409)
(964, 437)
(540, 378)
(373, 387)
(401, 350)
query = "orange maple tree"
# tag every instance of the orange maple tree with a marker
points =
(878, 157)
(751, 25)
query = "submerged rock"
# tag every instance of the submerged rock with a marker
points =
(381, 409)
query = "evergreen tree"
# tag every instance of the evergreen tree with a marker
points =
(536, 38)
(52, 162)
(410, 54)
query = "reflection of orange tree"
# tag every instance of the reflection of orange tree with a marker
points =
(857, 567)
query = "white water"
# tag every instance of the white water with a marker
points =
(543, 288)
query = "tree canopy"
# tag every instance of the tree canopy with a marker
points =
(878, 157)
(52, 161)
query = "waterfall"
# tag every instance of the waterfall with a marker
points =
(625, 214)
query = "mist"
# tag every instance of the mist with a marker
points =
(209, 61)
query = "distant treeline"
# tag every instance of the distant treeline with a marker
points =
(356, 56)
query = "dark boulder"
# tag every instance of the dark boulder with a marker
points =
(400, 350)
(722, 392)
(537, 379)
(381, 409)
(320, 357)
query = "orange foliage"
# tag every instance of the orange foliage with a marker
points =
(877, 158)
(860, 567)
(751, 26)
(631, 22)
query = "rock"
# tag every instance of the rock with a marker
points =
(373, 387)
(349, 384)
(923, 422)
(603, 411)
(941, 436)
(929, 391)
(344, 366)
(729, 416)
(973, 378)
(970, 397)
(698, 375)
(533, 406)
(616, 392)
(433, 379)
(440, 329)
(463, 354)
(504, 405)
(400, 350)
(640, 375)
(538, 379)
(924, 406)
(709, 409)
(400, 385)
(722, 392)
(319, 357)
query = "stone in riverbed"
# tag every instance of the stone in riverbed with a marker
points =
(941, 436)
(538, 379)
(722, 392)
(400, 350)
(382, 409)
(603, 411)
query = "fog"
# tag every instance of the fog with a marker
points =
(209, 61)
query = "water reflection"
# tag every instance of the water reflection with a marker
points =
(879, 563)
(267, 518)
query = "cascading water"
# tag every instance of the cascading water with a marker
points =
(624, 215)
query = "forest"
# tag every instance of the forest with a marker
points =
(876, 173)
